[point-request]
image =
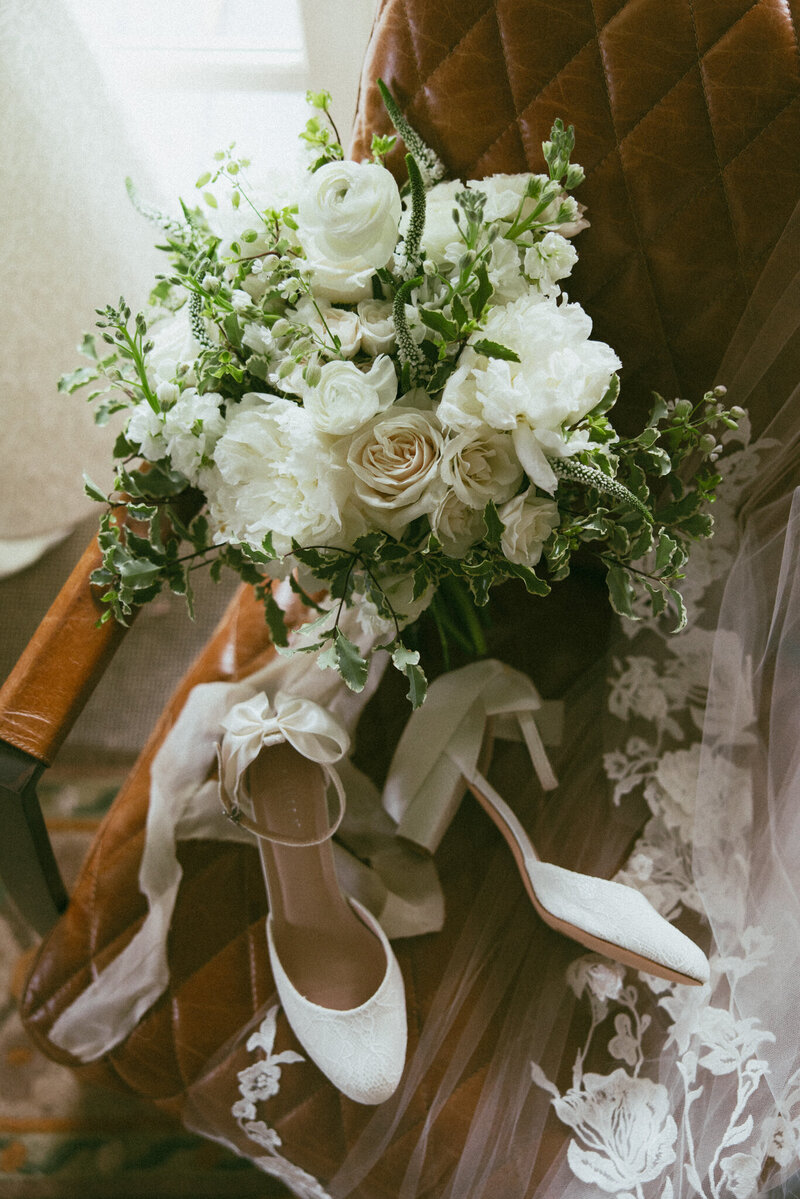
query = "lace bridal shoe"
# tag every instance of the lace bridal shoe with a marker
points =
(449, 741)
(335, 973)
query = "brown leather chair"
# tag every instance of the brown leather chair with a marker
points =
(686, 113)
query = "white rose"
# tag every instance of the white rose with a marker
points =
(192, 428)
(395, 460)
(527, 523)
(457, 526)
(560, 378)
(377, 326)
(273, 473)
(549, 260)
(326, 322)
(346, 398)
(481, 466)
(348, 217)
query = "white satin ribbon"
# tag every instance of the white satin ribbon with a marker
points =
(441, 744)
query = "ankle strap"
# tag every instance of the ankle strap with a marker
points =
(235, 813)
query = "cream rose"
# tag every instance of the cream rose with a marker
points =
(395, 461)
(457, 526)
(348, 217)
(527, 523)
(481, 465)
(346, 398)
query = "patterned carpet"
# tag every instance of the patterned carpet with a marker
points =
(59, 1139)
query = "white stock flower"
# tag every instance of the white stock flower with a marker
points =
(505, 275)
(560, 378)
(395, 460)
(348, 217)
(146, 428)
(457, 526)
(346, 398)
(192, 428)
(504, 194)
(377, 326)
(273, 473)
(174, 346)
(480, 466)
(527, 523)
(326, 322)
(550, 260)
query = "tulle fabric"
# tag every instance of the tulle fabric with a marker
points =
(602, 1081)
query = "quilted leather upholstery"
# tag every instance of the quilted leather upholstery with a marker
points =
(687, 123)
(686, 115)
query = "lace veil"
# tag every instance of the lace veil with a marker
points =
(680, 758)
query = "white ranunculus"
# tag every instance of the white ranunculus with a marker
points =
(348, 217)
(527, 523)
(192, 428)
(146, 428)
(480, 466)
(346, 398)
(273, 473)
(549, 260)
(457, 526)
(377, 326)
(395, 460)
(560, 378)
(326, 322)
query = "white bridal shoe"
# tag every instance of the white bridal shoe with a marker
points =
(441, 747)
(337, 978)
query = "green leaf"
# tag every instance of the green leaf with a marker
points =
(93, 491)
(460, 312)
(78, 378)
(533, 584)
(620, 590)
(439, 323)
(210, 199)
(659, 410)
(483, 292)
(677, 600)
(493, 349)
(275, 617)
(494, 525)
(352, 667)
(87, 347)
(666, 548)
(407, 662)
(138, 572)
(203, 180)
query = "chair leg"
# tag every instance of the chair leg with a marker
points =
(28, 869)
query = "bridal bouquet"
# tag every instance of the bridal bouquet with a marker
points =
(384, 395)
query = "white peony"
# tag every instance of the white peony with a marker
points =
(457, 526)
(395, 460)
(192, 428)
(377, 326)
(480, 465)
(527, 523)
(346, 398)
(560, 378)
(348, 217)
(273, 473)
